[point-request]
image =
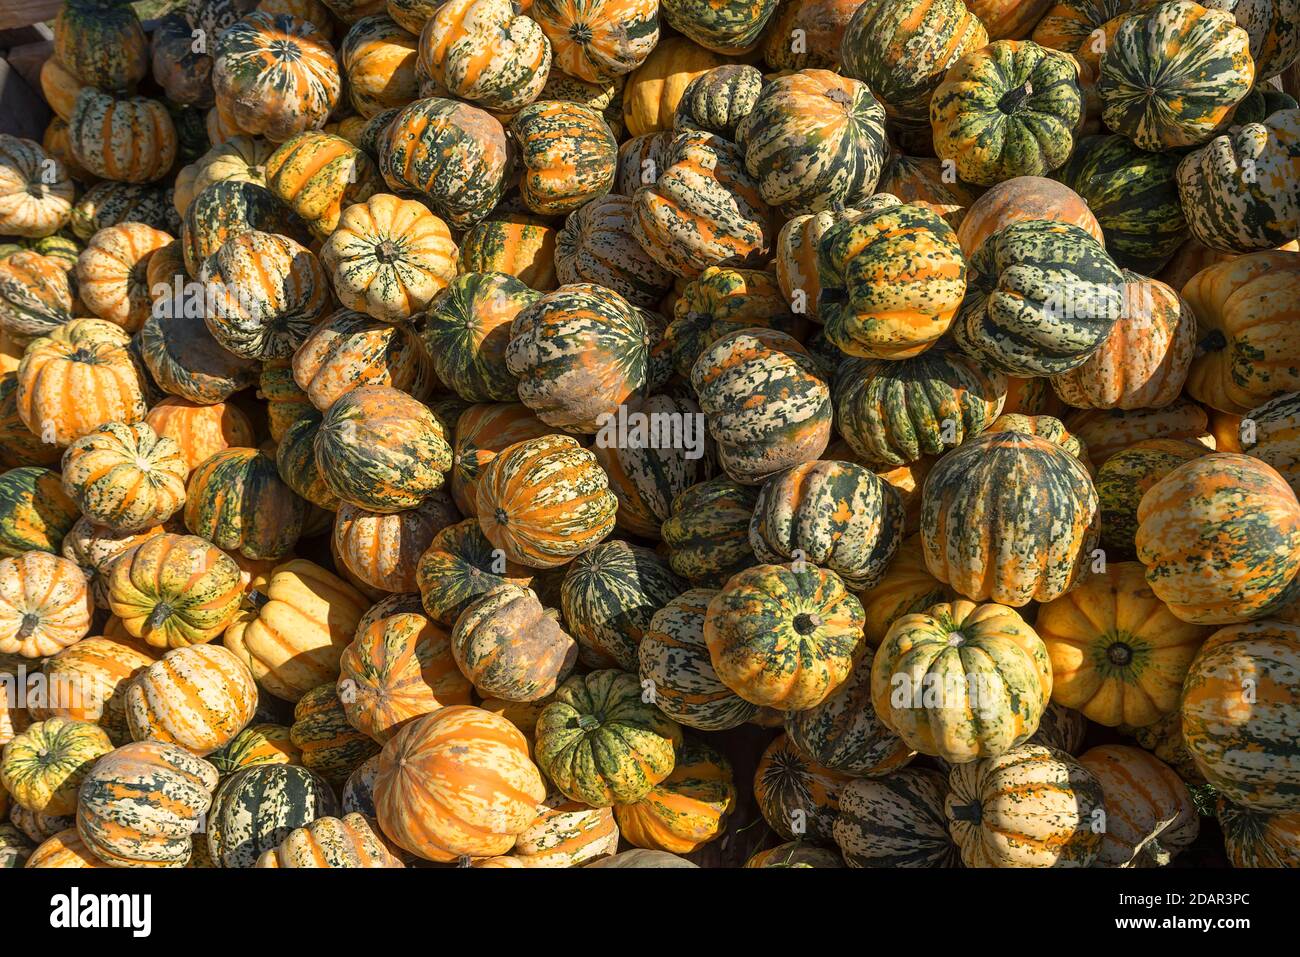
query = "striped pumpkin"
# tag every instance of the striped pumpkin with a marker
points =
(515, 244)
(707, 534)
(109, 203)
(36, 192)
(348, 350)
(198, 698)
(111, 273)
(795, 254)
(1110, 431)
(186, 361)
(126, 477)
(18, 446)
(295, 460)
(1069, 24)
(142, 805)
(482, 432)
(242, 158)
(732, 28)
(35, 512)
(566, 834)
(35, 298)
(895, 821)
(598, 40)
(510, 647)
(1150, 816)
(378, 58)
(237, 500)
(921, 181)
(1021, 198)
(718, 100)
(44, 765)
(1254, 839)
(258, 745)
(88, 681)
(1045, 427)
(797, 798)
(568, 155)
(317, 175)
(102, 44)
(256, 808)
(655, 88)
(384, 550)
(807, 33)
(64, 849)
(485, 52)
(330, 745)
(1125, 478)
(224, 210)
(328, 842)
(460, 566)
(1060, 728)
(1268, 433)
(130, 140)
(686, 810)
(45, 604)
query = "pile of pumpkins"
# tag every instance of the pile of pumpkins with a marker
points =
(630, 433)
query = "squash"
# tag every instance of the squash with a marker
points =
(317, 175)
(200, 431)
(383, 550)
(807, 33)
(797, 798)
(717, 101)
(509, 646)
(1020, 198)
(686, 810)
(64, 849)
(237, 500)
(330, 745)
(415, 149)
(226, 209)
(378, 58)
(1009, 109)
(1267, 433)
(455, 783)
(125, 476)
(1236, 704)
(331, 842)
(544, 501)
(1029, 807)
(88, 681)
(179, 64)
(102, 43)
(1069, 25)
(906, 588)
(598, 40)
(1111, 431)
(35, 512)
(640, 160)
(257, 807)
(565, 834)
(1009, 19)
(389, 257)
(1045, 427)
(895, 821)
(1125, 478)
(482, 432)
(702, 208)
(258, 745)
(568, 155)
(109, 203)
(242, 159)
(485, 52)
(36, 192)
(1204, 522)
(18, 446)
(44, 765)
(1254, 839)
(731, 29)
(901, 51)
(15, 848)
(707, 534)
(186, 361)
(597, 245)
(459, 567)
(131, 140)
(656, 86)
(1150, 816)
(174, 590)
(45, 604)
(974, 507)
(142, 805)
(796, 854)
(198, 698)
(517, 245)
(275, 75)
(35, 298)
(924, 181)
(36, 826)
(60, 87)
(349, 350)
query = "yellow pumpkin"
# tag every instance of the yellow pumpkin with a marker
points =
(45, 604)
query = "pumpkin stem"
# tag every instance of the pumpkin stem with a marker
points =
(29, 624)
(1157, 854)
(387, 251)
(805, 623)
(161, 612)
(588, 721)
(968, 812)
(1012, 99)
(464, 861)
(257, 599)
(1216, 341)
(1119, 654)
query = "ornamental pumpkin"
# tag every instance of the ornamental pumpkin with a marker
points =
(1150, 816)
(1019, 320)
(1118, 653)
(906, 588)
(544, 501)
(102, 43)
(317, 175)
(1241, 306)
(109, 203)
(237, 500)
(1238, 700)
(36, 826)
(257, 745)
(200, 430)
(813, 141)
(655, 88)
(1108, 432)
(598, 40)
(1009, 517)
(186, 361)
(381, 450)
(267, 292)
(599, 743)
(88, 681)
(131, 140)
(961, 681)
(701, 208)
(15, 848)
(922, 181)
(1234, 189)
(1254, 839)
(378, 58)
(517, 245)
(125, 476)
(454, 155)
(330, 745)
(797, 798)
(142, 805)
(718, 100)
(1045, 427)
(1009, 19)
(1268, 434)
(510, 647)
(1125, 478)
(565, 834)
(174, 590)
(45, 604)
(64, 849)
(731, 29)
(1029, 807)
(198, 697)
(182, 67)
(707, 534)
(1220, 539)
(768, 409)
(241, 158)
(640, 160)
(384, 550)
(35, 191)
(901, 51)
(459, 567)
(1021, 198)
(77, 378)
(483, 431)
(1171, 75)
(598, 245)
(43, 766)
(256, 808)
(485, 52)
(227, 209)
(686, 810)
(35, 512)
(1069, 25)
(567, 152)
(35, 298)
(349, 350)
(579, 353)
(807, 33)
(275, 75)
(60, 87)
(389, 257)
(329, 842)
(455, 783)
(895, 821)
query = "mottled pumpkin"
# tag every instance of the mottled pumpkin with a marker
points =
(35, 190)
(565, 834)
(186, 361)
(237, 500)
(131, 139)
(378, 58)
(35, 512)
(514, 244)
(482, 431)
(1268, 433)
(44, 765)
(686, 810)
(35, 298)
(257, 807)
(598, 40)
(718, 100)
(1150, 815)
(1024, 198)
(510, 647)
(179, 64)
(198, 698)
(331, 842)
(226, 209)
(1106, 432)
(1125, 478)
(807, 33)
(461, 565)
(567, 152)
(200, 430)
(924, 181)
(88, 681)
(330, 745)
(125, 476)
(798, 798)
(45, 604)
(102, 43)
(242, 158)
(64, 849)
(1255, 839)
(317, 175)
(109, 203)
(384, 550)
(485, 52)
(895, 821)
(349, 350)
(707, 533)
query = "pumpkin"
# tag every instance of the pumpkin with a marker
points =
(813, 141)
(483, 51)
(101, 43)
(1011, 320)
(64, 849)
(640, 159)
(35, 512)
(35, 191)
(598, 40)
(895, 821)
(35, 298)
(544, 501)
(226, 209)
(18, 446)
(1150, 816)
(457, 782)
(807, 33)
(686, 810)
(174, 590)
(483, 431)
(299, 624)
(330, 745)
(1125, 478)
(514, 244)
(275, 75)
(384, 550)
(267, 292)
(1254, 839)
(707, 534)
(509, 646)
(15, 848)
(60, 247)
(179, 64)
(1069, 25)
(317, 175)
(796, 854)
(44, 765)
(348, 350)
(1236, 704)
(1108, 432)
(198, 698)
(906, 588)
(597, 245)
(142, 805)
(923, 181)
(131, 140)
(381, 450)
(60, 87)
(1172, 74)
(893, 412)
(200, 431)
(1028, 807)
(378, 58)
(1009, 19)
(237, 500)
(733, 29)
(567, 152)
(642, 858)
(1046, 427)
(454, 155)
(258, 745)
(186, 361)
(125, 476)
(600, 744)
(1204, 522)
(1268, 434)
(256, 808)
(718, 100)
(460, 566)
(901, 51)
(108, 204)
(655, 88)
(241, 158)
(36, 826)
(358, 792)
(1020, 198)
(982, 536)
(45, 604)
(389, 257)
(702, 208)
(329, 842)
(88, 681)
(565, 834)
(797, 798)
